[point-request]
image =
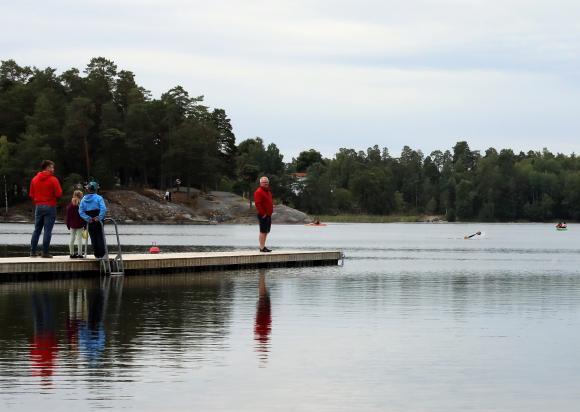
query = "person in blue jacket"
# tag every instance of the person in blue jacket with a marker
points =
(92, 209)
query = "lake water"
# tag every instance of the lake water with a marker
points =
(417, 319)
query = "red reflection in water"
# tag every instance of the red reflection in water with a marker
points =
(263, 326)
(43, 347)
(43, 350)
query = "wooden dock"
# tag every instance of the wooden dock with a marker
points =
(27, 268)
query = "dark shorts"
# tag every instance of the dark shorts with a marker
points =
(265, 223)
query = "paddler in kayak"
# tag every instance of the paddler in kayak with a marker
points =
(470, 236)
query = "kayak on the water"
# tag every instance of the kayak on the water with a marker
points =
(316, 222)
(470, 236)
(561, 226)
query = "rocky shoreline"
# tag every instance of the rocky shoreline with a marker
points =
(148, 206)
(193, 207)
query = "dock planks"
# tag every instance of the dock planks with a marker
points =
(11, 268)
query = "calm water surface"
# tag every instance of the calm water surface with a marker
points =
(417, 319)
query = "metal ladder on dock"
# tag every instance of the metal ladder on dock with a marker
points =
(108, 266)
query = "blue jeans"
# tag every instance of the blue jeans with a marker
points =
(44, 217)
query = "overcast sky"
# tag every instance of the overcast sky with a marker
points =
(326, 74)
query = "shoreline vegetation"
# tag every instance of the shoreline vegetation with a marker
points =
(149, 207)
(100, 124)
(351, 218)
(323, 220)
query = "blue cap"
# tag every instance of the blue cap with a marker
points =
(92, 186)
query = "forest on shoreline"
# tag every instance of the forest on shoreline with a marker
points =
(101, 124)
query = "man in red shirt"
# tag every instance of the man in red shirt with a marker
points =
(264, 207)
(44, 191)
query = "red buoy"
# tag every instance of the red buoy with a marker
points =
(154, 249)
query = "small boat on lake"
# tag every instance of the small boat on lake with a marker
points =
(316, 222)
(561, 226)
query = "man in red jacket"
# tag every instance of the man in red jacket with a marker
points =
(44, 191)
(264, 207)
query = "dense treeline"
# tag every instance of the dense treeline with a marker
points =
(462, 184)
(102, 124)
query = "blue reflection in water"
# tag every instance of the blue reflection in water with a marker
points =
(91, 330)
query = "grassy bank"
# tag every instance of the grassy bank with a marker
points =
(377, 218)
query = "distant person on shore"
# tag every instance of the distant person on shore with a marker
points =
(93, 210)
(264, 208)
(44, 192)
(75, 223)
